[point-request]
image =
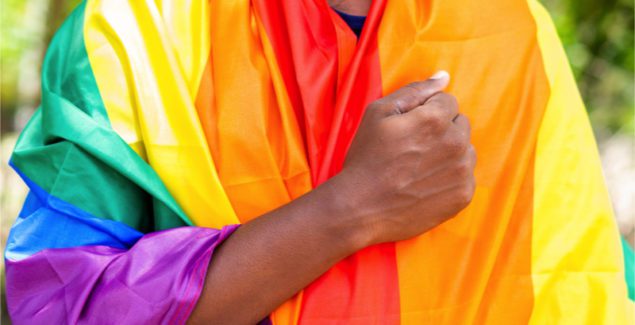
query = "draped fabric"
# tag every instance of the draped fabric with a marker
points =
(166, 123)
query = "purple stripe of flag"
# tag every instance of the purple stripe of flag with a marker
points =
(157, 281)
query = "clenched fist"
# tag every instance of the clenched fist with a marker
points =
(410, 166)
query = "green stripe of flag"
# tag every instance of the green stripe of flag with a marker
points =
(70, 149)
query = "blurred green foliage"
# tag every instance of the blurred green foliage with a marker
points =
(597, 35)
(598, 39)
(26, 27)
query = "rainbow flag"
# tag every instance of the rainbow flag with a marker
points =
(164, 124)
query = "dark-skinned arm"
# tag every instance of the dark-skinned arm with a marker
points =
(410, 168)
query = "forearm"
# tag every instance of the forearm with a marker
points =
(409, 169)
(269, 259)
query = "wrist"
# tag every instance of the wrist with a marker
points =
(343, 207)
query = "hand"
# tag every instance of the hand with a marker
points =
(411, 165)
(409, 169)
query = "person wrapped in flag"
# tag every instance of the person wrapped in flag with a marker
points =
(312, 162)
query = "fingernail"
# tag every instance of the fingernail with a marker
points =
(440, 75)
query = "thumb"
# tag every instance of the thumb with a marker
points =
(415, 94)
(440, 80)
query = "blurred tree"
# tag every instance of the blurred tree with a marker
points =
(598, 38)
(26, 28)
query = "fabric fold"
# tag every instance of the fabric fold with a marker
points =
(157, 281)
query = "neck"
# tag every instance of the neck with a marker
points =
(351, 7)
